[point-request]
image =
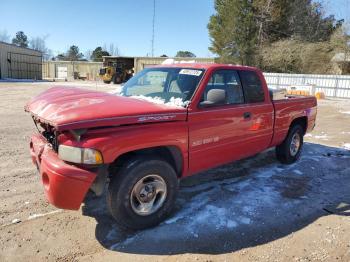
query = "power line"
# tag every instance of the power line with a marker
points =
(154, 16)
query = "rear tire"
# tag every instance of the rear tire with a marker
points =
(128, 204)
(106, 82)
(290, 150)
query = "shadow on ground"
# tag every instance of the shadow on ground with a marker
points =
(239, 205)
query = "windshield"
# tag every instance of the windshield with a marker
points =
(164, 85)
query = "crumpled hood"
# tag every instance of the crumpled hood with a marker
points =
(74, 108)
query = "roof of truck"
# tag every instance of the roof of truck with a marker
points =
(205, 65)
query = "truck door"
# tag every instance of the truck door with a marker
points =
(259, 109)
(217, 133)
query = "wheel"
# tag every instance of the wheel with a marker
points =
(289, 151)
(142, 193)
(117, 80)
(106, 81)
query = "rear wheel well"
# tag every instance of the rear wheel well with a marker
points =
(302, 121)
(171, 154)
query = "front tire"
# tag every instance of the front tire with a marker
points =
(117, 80)
(142, 193)
(289, 151)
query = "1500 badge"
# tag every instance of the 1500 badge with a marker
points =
(206, 141)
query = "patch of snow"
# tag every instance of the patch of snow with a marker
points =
(171, 61)
(324, 137)
(156, 100)
(245, 220)
(13, 80)
(298, 172)
(173, 219)
(308, 135)
(116, 91)
(346, 146)
(224, 216)
(45, 214)
(178, 102)
(231, 224)
(345, 112)
(248, 209)
(15, 221)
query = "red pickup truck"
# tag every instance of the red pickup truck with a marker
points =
(168, 122)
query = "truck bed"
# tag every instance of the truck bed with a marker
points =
(290, 108)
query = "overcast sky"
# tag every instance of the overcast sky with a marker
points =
(180, 24)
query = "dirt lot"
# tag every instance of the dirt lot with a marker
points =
(251, 210)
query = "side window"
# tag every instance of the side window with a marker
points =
(253, 90)
(227, 80)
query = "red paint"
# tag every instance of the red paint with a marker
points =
(206, 137)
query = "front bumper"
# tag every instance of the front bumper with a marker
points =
(65, 185)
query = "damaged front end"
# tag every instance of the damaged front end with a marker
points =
(48, 132)
(65, 182)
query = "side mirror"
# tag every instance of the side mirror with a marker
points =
(214, 97)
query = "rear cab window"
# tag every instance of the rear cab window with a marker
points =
(252, 87)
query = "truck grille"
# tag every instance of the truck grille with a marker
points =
(51, 138)
(48, 132)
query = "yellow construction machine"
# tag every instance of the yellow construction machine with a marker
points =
(116, 72)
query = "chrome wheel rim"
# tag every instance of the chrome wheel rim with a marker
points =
(148, 195)
(295, 144)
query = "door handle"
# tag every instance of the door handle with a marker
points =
(247, 115)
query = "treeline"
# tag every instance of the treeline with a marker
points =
(72, 54)
(293, 36)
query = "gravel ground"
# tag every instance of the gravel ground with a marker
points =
(251, 210)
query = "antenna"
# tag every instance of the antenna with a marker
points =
(154, 16)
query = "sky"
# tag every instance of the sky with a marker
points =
(179, 24)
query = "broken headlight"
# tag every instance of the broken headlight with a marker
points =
(79, 155)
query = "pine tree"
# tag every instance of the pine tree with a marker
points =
(233, 31)
(98, 53)
(241, 28)
(20, 40)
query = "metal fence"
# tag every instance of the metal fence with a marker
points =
(330, 85)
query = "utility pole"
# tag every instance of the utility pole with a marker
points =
(154, 16)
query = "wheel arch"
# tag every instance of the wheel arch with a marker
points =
(302, 120)
(171, 154)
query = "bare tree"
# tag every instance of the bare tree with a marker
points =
(39, 44)
(112, 49)
(88, 54)
(4, 36)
